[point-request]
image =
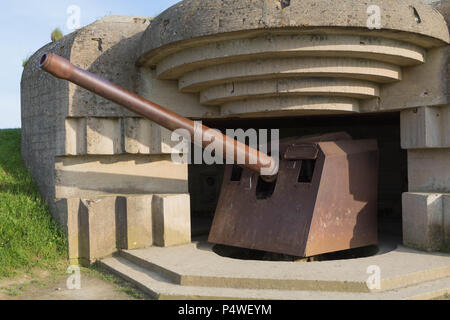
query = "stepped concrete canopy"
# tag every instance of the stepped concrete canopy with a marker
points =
(108, 174)
(270, 58)
(191, 19)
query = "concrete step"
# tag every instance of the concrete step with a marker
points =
(198, 265)
(162, 287)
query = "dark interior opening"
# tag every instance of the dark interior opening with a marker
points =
(307, 171)
(385, 127)
(265, 189)
(236, 173)
(244, 254)
(43, 59)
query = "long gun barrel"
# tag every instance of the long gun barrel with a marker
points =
(254, 159)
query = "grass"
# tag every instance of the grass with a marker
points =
(122, 285)
(29, 238)
(25, 61)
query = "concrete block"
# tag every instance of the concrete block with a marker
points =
(138, 135)
(445, 122)
(103, 136)
(421, 85)
(88, 176)
(143, 136)
(418, 128)
(75, 136)
(446, 207)
(162, 140)
(135, 229)
(171, 220)
(423, 221)
(68, 212)
(428, 170)
(425, 127)
(97, 228)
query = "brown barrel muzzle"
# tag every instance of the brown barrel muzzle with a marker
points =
(56, 66)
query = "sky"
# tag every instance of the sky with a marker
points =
(26, 25)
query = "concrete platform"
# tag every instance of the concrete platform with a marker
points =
(195, 271)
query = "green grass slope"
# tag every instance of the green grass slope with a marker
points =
(29, 238)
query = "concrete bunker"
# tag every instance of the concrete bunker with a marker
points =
(107, 173)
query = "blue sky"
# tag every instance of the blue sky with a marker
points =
(26, 25)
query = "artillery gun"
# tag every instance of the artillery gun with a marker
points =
(320, 196)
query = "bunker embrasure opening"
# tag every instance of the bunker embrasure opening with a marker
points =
(392, 177)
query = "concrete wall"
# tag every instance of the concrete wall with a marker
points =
(426, 136)
(89, 155)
